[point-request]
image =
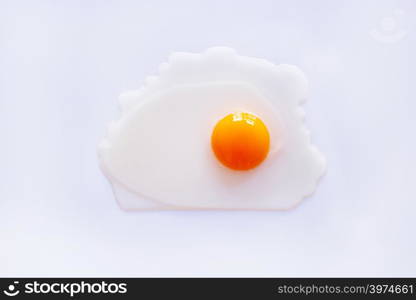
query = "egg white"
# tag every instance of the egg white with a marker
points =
(158, 154)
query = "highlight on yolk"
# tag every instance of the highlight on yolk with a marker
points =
(240, 141)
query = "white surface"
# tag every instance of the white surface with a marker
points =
(63, 64)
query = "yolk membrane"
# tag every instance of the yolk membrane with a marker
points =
(240, 141)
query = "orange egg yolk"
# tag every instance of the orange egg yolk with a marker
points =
(240, 141)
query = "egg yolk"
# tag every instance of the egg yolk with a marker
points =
(240, 141)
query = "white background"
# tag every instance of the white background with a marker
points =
(62, 66)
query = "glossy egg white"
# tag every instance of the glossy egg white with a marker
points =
(158, 154)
